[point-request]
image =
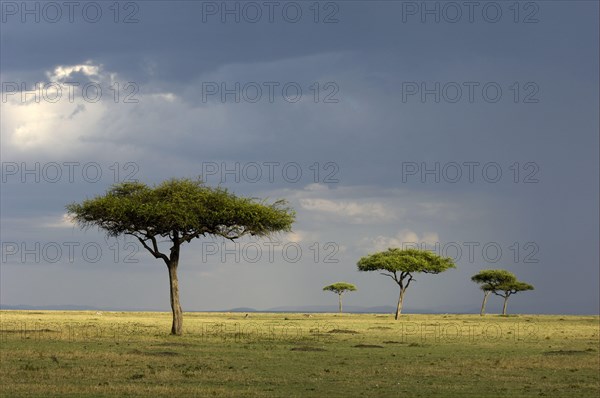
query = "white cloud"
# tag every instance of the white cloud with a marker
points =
(63, 72)
(295, 236)
(403, 239)
(47, 126)
(433, 208)
(354, 211)
(58, 118)
(316, 187)
(169, 97)
(64, 222)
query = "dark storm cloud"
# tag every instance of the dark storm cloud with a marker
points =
(391, 149)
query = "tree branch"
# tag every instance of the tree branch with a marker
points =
(410, 279)
(155, 252)
(501, 295)
(390, 275)
(188, 237)
(232, 233)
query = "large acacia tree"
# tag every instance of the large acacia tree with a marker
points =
(340, 288)
(401, 265)
(490, 280)
(178, 211)
(507, 289)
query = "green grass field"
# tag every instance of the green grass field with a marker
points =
(122, 354)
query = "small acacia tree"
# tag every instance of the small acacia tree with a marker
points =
(177, 211)
(340, 288)
(509, 288)
(400, 265)
(490, 279)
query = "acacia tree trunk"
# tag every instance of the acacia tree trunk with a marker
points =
(177, 326)
(400, 301)
(485, 297)
(504, 306)
(340, 294)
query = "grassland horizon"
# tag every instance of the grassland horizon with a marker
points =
(102, 353)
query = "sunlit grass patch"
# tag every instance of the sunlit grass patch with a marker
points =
(226, 354)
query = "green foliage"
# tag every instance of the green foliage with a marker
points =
(405, 261)
(487, 287)
(401, 264)
(181, 209)
(513, 287)
(340, 287)
(496, 280)
(490, 279)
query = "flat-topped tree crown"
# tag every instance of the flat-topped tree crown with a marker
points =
(180, 210)
(489, 280)
(340, 288)
(406, 260)
(500, 282)
(507, 289)
(515, 287)
(493, 277)
(401, 264)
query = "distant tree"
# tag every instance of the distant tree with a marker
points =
(509, 288)
(400, 265)
(490, 279)
(340, 288)
(179, 210)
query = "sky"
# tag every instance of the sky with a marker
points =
(469, 129)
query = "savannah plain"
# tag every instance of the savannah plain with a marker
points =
(131, 354)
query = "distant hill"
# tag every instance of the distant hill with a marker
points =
(242, 309)
(382, 309)
(65, 307)
(68, 307)
(332, 308)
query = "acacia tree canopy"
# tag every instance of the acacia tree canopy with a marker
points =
(180, 210)
(490, 278)
(401, 264)
(396, 260)
(340, 287)
(500, 282)
(510, 288)
(183, 207)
